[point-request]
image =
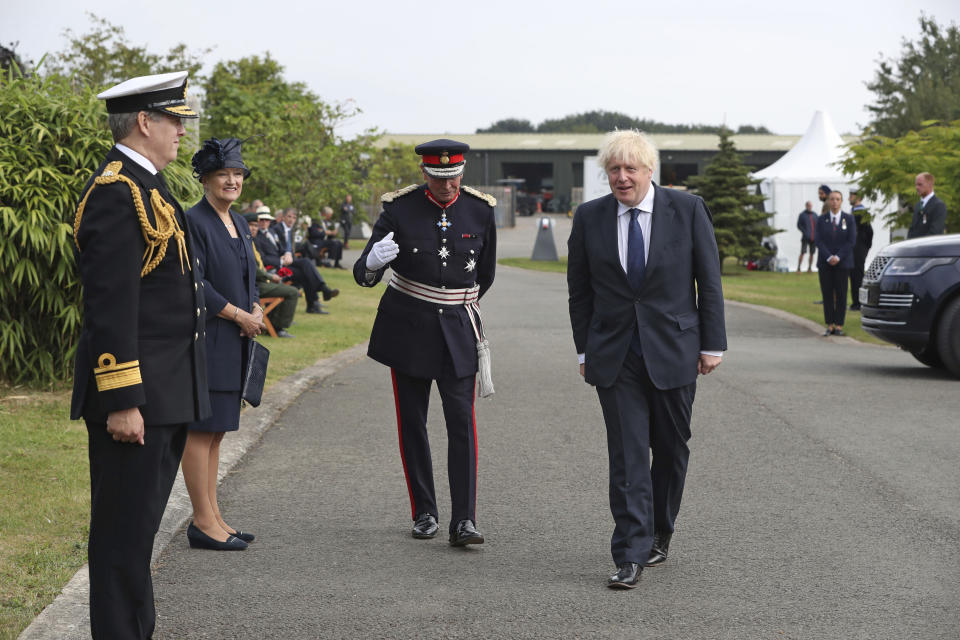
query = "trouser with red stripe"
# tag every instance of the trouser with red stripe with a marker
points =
(412, 397)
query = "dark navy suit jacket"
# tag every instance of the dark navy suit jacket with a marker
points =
(679, 308)
(222, 283)
(836, 241)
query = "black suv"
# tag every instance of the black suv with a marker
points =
(911, 297)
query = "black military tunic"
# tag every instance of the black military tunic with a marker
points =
(452, 248)
(141, 346)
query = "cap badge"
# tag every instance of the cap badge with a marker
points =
(445, 158)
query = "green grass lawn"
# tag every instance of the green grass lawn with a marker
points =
(44, 471)
(796, 293)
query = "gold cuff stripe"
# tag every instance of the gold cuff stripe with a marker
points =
(118, 379)
(107, 365)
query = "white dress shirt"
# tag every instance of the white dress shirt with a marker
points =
(925, 200)
(137, 157)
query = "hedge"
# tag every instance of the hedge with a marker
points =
(52, 137)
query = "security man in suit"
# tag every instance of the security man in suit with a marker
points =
(440, 240)
(861, 248)
(141, 362)
(646, 307)
(836, 238)
(930, 214)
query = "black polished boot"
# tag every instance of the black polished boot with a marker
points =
(465, 533)
(425, 526)
(661, 545)
(626, 577)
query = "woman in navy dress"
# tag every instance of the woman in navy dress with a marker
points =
(227, 265)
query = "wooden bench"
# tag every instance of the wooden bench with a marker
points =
(268, 305)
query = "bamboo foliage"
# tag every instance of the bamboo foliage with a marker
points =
(52, 137)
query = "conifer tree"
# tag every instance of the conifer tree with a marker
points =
(739, 221)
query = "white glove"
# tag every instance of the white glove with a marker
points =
(382, 253)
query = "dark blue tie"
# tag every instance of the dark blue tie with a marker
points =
(636, 258)
(636, 265)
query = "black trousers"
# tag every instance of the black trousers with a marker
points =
(833, 287)
(129, 488)
(412, 397)
(347, 228)
(856, 274)
(639, 417)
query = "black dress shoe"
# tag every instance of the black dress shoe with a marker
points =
(465, 533)
(425, 526)
(854, 307)
(661, 544)
(330, 293)
(626, 577)
(838, 332)
(316, 308)
(199, 540)
(828, 332)
(246, 537)
(283, 333)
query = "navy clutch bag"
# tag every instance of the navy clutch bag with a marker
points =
(256, 374)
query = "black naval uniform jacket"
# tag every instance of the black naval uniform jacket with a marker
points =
(408, 334)
(142, 343)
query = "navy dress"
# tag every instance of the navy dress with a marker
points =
(228, 276)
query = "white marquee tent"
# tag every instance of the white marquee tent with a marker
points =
(793, 180)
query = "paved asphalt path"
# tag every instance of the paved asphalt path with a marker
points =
(821, 503)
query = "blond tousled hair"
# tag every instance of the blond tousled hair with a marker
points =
(629, 146)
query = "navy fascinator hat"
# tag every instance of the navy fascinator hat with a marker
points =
(217, 154)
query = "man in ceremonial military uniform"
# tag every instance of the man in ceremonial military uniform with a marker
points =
(141, 363)
(440, 241)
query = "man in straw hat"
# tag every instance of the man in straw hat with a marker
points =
(141, 365)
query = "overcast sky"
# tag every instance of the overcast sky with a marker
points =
(450, 67)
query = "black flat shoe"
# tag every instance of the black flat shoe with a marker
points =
(661, 545)
(626, 577)
(828, 332)
(425, 527)
(246, 537)
(464, 534)
(838, 332)
(199, 540)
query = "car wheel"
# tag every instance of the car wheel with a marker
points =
(948, 337)
(928, 356)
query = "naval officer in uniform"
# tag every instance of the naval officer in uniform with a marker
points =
(439, 239)
(141, 364)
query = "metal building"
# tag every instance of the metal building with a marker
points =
(547, 167)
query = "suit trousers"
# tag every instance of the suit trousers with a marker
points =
(833, 286)
(305, 275)
(412, 397)
(129, 487)
(641, 419)
(856, 274)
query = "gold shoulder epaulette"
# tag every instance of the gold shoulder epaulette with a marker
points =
(486, 197)
(393, 195)
(157, 237)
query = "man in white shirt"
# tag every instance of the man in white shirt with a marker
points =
(646, 307)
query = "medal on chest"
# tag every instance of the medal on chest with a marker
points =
(443, 223)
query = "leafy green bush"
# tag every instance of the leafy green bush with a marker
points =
(52, 137)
